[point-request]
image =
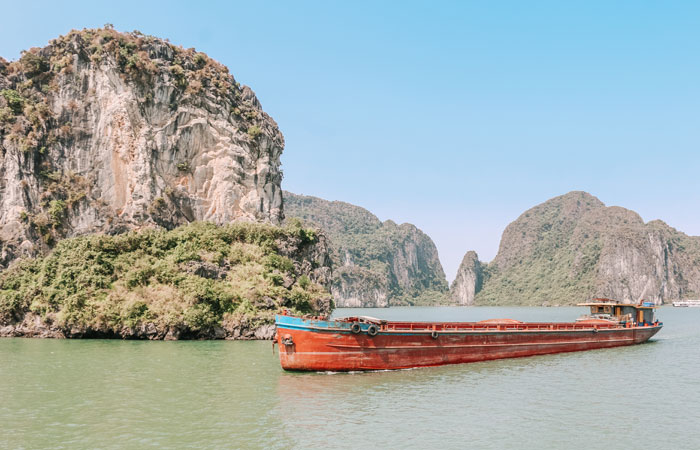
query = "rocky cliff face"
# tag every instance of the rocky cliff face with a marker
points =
(375, 264)
(573, 248)
(102, 131)
(468, 281)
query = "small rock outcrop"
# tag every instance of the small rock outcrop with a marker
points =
(102, 131)
(468, 281)
(375, 263)
(573, 248)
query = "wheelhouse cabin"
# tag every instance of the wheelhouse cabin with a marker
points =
(623, 313)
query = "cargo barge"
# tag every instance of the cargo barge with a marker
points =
(365, 343)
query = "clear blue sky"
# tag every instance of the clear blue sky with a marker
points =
(454, 116)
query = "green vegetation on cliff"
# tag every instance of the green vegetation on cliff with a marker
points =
(199, 280)
(536, 260)
(375, 263)
(26, 115)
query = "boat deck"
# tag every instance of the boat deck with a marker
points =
(500, 326)
(484, 325)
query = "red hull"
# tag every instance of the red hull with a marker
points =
(321, 346)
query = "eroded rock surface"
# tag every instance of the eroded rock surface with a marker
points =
(468, 280)
(102, 131)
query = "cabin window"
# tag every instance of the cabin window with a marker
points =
(607, 309)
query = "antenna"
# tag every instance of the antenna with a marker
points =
(644, 291)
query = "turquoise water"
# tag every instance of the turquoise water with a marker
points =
(217, 394)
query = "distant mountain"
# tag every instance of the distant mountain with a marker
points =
(375, 263)
(572, 248)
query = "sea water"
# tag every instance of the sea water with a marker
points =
(219, 394)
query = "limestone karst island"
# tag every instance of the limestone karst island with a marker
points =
(141, 197)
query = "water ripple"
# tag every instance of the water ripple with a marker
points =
(117, 394)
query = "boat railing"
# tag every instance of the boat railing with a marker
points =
(495, 326)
